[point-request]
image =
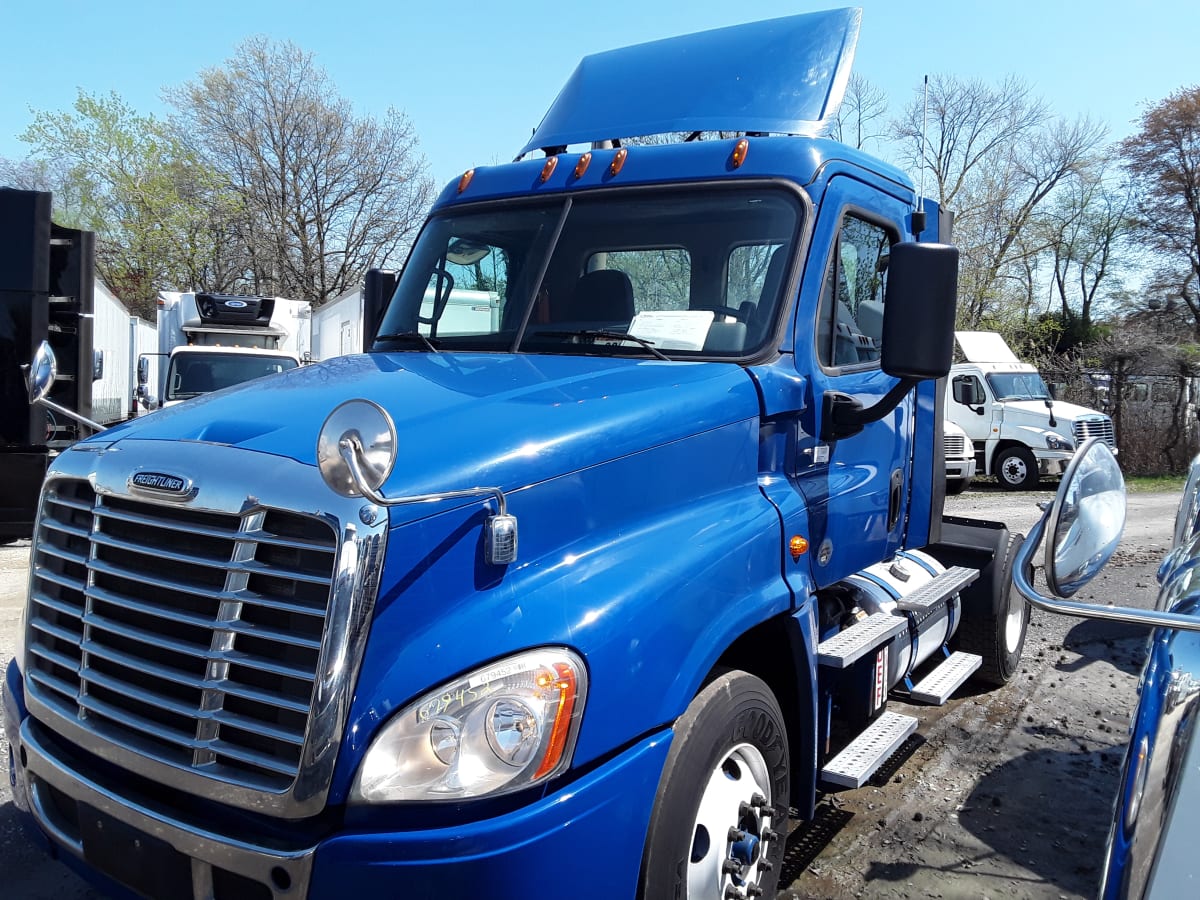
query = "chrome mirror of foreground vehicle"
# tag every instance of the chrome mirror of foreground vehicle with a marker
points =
(1082, 528)
(39, 378)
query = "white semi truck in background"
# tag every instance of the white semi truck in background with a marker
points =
(209, 341)
(1019, 432)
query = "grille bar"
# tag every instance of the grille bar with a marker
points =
(188, 636)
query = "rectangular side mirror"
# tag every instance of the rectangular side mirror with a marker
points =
(918, 310)
(378, 287)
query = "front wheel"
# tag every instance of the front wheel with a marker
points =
(720, 815)
(1016, 469)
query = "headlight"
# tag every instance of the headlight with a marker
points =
(1058, 442)
(498, 729)
(374, 436)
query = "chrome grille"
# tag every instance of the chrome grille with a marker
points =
(954, 445)
(1094, 427)
(190, 637)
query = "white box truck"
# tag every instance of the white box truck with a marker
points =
(209, 341)
(1019, 432)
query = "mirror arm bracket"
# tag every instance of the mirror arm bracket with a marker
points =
(843, 416)
(1130, 615)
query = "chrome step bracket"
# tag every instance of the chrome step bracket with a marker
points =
(853, 766)
(850, 645)
(937, 687)
(933, 592)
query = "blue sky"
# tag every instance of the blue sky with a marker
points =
(474, 78)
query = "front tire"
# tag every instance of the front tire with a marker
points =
(720, 815)
(1016, 469)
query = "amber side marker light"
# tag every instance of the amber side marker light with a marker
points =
(581, 166)
(740, 149)
(465, 180)
(566, 687)
(797, 546)
(548, 168)
(618, 161)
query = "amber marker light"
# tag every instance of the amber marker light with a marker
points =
(581, 166)
(740, 149)
(566, 687)
(618, 161)
(797, 546)
(465, 180)
(548, 168)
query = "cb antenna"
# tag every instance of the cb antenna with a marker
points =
(918, 224)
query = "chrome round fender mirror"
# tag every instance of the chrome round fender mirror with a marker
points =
(40, 374)
(1086, 520)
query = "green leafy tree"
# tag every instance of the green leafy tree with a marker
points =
(156, 208)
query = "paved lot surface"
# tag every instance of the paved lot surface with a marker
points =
(1007, 793)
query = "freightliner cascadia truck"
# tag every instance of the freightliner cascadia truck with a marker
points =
(589, 598)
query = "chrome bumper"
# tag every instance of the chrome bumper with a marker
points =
(285, 872)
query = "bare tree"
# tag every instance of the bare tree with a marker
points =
(1163, 159)
(995, 155)
(325, 195)
(861, 117)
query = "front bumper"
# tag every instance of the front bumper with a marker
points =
(1052, 462)
(960, 469)
(584, 841)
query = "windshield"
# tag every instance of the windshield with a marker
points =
(685, 274)
(192, 374)
(1018, 386)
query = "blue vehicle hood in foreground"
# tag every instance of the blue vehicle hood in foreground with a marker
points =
(468, 419)
(781, 76)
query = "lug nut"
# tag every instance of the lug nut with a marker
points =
(753, 890)
(731, 867)
(758, 801)
(732, 893)
(769, 835)
(735, 835)
(765, 865)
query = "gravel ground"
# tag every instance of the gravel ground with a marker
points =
(1005, 794)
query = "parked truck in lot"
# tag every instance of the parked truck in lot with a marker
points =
(210, 341)
(1004, 406)
(587, 596)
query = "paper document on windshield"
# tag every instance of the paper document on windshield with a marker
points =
(673, 329)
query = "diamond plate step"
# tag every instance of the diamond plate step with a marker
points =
(853, 766)
(938, 589)
(936, 687)
(848, 646)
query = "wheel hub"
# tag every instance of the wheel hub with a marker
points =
(732, 828)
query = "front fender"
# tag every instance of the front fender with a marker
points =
(649, 566)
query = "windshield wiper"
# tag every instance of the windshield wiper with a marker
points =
(400, 335)
(600, 333)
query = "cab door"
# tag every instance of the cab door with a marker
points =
(856, 488)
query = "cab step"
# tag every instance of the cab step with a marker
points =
(934, 591)
(866, 753)
(937, 687)
(850, 645)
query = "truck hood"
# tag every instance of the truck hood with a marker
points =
(469, 419)
(1034, 412)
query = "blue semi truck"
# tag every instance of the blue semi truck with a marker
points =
(588, 597)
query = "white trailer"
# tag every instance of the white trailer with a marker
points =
(117, 340)
(209, 341)
(337, 326)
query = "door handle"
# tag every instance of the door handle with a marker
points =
(895, 495)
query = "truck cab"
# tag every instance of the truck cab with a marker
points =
(630, 563)
(1018, 431)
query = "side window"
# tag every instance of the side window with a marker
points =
(850, 318)
(661, 276)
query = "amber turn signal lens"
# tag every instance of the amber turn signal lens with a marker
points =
(618, 161)
(739, 152)
(548, 168)
(581, 166)
(797, 546)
